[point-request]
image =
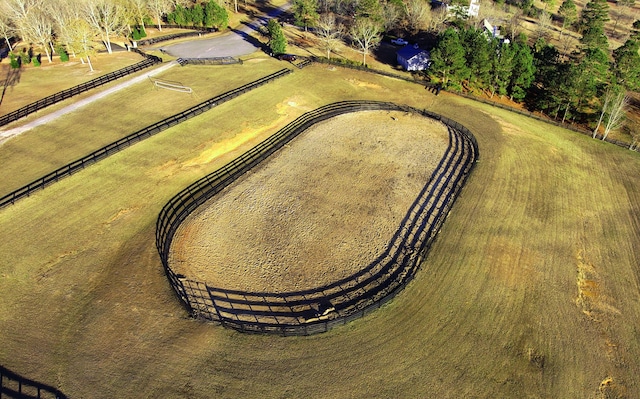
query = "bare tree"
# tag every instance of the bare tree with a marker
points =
(158, 8)
(390, 16)
(634, 132)
(438, 18)
(329, 32)
(63, 15)
(418, 14)
(137, 10)
(543, 25)
(617, 113)
(39, 29)
(82, 41)
(7, 30)
(514, 24)
(107, 17)
(367, 35)
(32, 22)
(608, 98)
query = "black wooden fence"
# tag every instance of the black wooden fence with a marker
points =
(13, 385)
(81, 88)
(199, 31)
(209, 61)
(133, 138)
(320, 309)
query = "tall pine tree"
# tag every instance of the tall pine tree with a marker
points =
(448, 63)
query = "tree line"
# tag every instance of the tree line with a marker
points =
(583, 82)
(75, 27)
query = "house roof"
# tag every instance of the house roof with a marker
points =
(409, 51)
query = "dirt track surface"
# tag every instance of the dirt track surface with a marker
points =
(317, 211)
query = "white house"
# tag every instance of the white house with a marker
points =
(413, 58)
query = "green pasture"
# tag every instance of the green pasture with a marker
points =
(531, 289)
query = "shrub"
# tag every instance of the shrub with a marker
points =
(36, 60)
(25, 58)
(62, 52)
(14, 61)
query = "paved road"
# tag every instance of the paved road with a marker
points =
(236, 43)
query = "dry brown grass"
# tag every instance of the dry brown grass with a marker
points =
(319, 221)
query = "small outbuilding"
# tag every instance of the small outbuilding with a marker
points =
(413, 58)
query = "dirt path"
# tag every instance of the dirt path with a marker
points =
(318, 211)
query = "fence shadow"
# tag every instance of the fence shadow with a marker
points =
(13, 385)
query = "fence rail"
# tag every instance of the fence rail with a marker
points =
(81, 88)
(198, 32)
(320, 309)
(209, 61)
(133, 138)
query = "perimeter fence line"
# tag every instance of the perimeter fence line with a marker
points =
(209, 61)
(13, 385)
(149, 61)
(199, 30)
(133, 138)
(322, 308)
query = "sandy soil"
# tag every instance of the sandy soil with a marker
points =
(319, 210)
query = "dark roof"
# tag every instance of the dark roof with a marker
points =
(408, 51)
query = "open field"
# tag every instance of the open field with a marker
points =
(41, 150)
(531, 289)
(29, 84)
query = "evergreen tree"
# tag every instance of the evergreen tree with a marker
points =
(179, 16)
(594, 14)
(594, 37)
(478, 52)
(215, 16)
(370, 9)
(626, 65)
(590, 79)
(277, 41)
(448, 63)
(305, 13)
(503, 62)
(568, 12)
(197, 15)
(523, 71)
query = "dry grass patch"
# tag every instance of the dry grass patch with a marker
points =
(318, 211)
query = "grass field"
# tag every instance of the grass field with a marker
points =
(29, 84)
(531, 289)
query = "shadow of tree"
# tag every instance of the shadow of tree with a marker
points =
(11, 78)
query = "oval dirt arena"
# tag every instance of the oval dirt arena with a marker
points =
(319, 210)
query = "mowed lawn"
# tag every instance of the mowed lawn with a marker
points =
(28, 84)
(45, 148)
(531, 289)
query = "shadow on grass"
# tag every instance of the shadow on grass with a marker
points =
(13, 385)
